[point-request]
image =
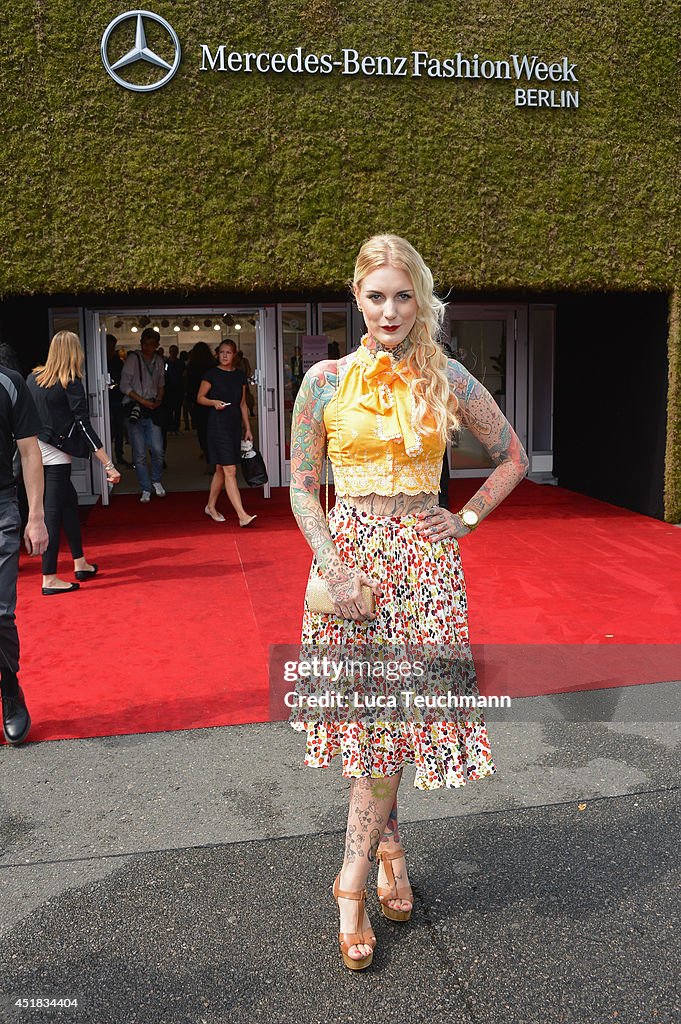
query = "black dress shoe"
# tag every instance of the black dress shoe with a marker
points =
(16, 720)
(61, 590)
(87, 574)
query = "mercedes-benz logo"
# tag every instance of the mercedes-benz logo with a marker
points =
(140, 51)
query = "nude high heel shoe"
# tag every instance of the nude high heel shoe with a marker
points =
(393, 891)
(356, 938)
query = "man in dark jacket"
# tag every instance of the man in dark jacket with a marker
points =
(19, 424)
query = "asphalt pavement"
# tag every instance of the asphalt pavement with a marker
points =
(183, 878)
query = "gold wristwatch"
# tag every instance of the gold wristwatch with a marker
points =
(469, 518)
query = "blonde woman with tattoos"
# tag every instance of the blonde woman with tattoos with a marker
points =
(386, 412)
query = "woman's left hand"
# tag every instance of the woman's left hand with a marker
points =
(248, 436)
(439, 524)
(113, 476)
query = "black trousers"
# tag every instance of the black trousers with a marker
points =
(10, 522)
(61, 509)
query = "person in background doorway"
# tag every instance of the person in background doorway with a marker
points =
(19, 426)
(241, 363)
(200, 360)
(65, 433)
(174, 393)
(143, 383)
(186, 411)
(223, 393)
(296, 370)
(114, 366)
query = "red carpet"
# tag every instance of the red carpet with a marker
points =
(176, 630)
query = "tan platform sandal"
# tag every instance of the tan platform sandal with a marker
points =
(393, 891)
(356, 938)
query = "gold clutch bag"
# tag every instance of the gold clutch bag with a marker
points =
(318, 598)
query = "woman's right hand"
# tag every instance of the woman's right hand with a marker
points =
(346, 594)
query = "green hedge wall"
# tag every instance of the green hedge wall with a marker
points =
(239, 181)
(242, 182)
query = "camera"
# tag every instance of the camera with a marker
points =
(135, 412)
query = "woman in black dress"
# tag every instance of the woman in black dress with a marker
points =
(227, 412)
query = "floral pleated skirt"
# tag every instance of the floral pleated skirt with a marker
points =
(423, 611)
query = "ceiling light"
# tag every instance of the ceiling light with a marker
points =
(176, 327)
(134, 328)
(196, 327)
(237, 327)
(216, 327)
(156, 329)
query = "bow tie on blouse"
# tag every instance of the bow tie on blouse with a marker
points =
(388, 394)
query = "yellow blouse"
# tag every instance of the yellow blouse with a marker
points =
(374, 446)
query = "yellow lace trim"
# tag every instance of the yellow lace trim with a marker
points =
(356, 479)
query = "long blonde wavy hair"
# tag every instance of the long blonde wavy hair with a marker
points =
(64, 361)
(425, 358)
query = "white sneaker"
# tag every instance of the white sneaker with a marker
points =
(145, 496)
(159, 490)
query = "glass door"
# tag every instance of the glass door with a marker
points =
(267, 414)
(97, 388)
(490, 341)
(190, 336)
(295, 323)
(308, 334)
(333, 323)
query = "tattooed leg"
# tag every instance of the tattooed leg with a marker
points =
(391, 833)
(368, 813)
(389, 840)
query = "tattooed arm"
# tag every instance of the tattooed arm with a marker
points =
(485, 420)
(308, 444)
(480, 413)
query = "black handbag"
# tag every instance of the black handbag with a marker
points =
(253, 468)
(74, 443)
